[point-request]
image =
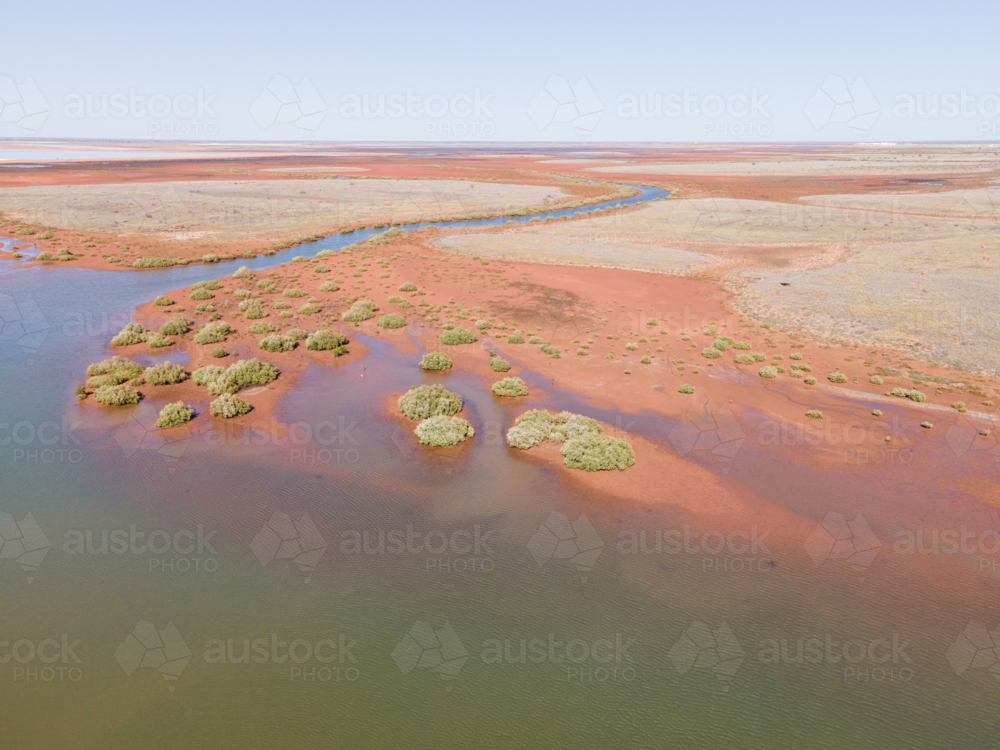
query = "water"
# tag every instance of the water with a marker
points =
(610, 641)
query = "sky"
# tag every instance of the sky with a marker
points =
(497, 73)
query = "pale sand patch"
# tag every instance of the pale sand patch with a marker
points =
(851, 273)
(874, 165)
(727, 221)
(331, 169)
(878, 295)
(533, 247)
(236, 211)
(983, 202)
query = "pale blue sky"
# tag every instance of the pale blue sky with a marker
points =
(543, 72)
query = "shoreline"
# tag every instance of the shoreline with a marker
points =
(572, 303)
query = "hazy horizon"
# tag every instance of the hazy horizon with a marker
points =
(389, 72)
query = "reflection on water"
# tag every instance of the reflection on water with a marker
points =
(336, 584)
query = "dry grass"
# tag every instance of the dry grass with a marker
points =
(226, 211)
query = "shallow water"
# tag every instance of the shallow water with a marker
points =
(396, 535)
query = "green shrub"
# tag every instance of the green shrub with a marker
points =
(498, 364)
(877, 413)
(711, 353)
(635, 347)
(769, 372)
(596, 452)
(208, 373)
(802, 366)
(837, 377)
(200, 294)
(262, 327)
(686, 389)
(442, 431)
(435, 361)
(210, 284)
(458, 336)
(646, 361)
(329, 286)
(214, 333)
(116, 395)
(395, 300)
(516, 338)
(218, 352)
(537, 425)
(510, 387)
(99, 381)
(483, 325)
(153, 263)
(277, 343)
(959, 406)
(228, 406)
(875, 380)
(163, 301)
(742, 345)
(178, 325)
(814, 414)
(309, 308)
(293, 293)
(47, 256)
(157, 341)
(913, 395)
(297, 334)
(241, 374)
(244, 273)
(429, 401)
(810, 380)
(131, 334)
(253, 309)
(165, 374)
(409, 286)
(119, 369)
(744, 359)
(795, 355)
(327, 340)
(722, 343)
(392, 321)
(363, 309)
(174, 414)
(282, 305)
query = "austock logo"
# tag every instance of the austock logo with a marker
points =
(22, 104)
(298, 104)
(134, 435)
(839, 102)
(285, 539)
(23, 542)
(560, 102)
(703, 648)
(708, 426)
(561, 539)
(837, 538)
(22, 322)
(976, 648)
(145, 647)
(427, 647)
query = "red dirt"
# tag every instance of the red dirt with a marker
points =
(562, 301)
